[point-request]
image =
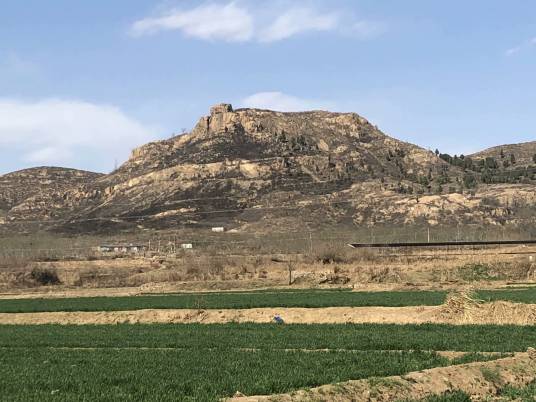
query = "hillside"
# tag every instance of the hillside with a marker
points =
(504, 164)
(28, 193)
(261, 169)
(524, 154)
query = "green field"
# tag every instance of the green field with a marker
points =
(206, 362)
(236, 300)
(199, 362)
(159, 375)
(469, 338)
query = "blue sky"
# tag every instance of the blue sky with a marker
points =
(84, 82)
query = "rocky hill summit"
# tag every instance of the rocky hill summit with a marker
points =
(253, 134)
(252, 168)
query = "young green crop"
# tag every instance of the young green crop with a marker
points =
(239, 300)
(471, 338)
(37, 374)
(196, 362)
(226, 301)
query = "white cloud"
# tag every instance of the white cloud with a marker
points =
(284, 103)
(268, 23)
(209, 22)
(68, 133)
(296, 21)
(516, 49)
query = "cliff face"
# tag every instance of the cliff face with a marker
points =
(260, 168)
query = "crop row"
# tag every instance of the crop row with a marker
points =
(471, 338)
(254, 300)
(37, 374)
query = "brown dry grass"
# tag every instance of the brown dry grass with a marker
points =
(461, 307)
(425, 268)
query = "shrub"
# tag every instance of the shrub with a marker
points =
(331, 255)
(45, 276)
(475, 272)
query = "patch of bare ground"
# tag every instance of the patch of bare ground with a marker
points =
(489, 313)
(479, 380)
(146, 289)
(329, 315)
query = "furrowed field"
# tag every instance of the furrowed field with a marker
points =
(241, 300)
(207, 362)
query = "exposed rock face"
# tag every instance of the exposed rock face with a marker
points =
(250, 167)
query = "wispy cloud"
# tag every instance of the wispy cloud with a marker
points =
(284, 103)
(296, 21)
(209, 22)
(522, 46)
(68, 133)
(233, 22)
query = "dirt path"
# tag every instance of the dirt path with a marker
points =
(200, 287)
(476, 379)
(489, 313)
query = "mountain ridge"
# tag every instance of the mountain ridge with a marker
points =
(243, 167)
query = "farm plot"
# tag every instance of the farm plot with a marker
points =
(245, 300)
(466, 338)
(208, 362)
(201, 374)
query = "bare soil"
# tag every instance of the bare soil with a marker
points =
(480, 380)
(488, 313)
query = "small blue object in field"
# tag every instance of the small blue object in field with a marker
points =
(278, 319)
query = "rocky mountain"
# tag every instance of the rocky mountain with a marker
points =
(260, 169)
(37, 189)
